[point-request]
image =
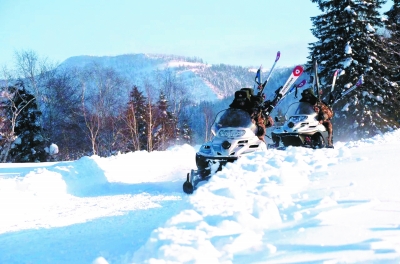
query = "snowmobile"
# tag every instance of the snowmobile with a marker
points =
(301, 128)
(234, 134)
(234, 130)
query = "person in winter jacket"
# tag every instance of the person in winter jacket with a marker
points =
(324, 115)
(253, 104)
(263, 122)
(324, 112)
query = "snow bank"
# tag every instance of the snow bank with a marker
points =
(227, 218)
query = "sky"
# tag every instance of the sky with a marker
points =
(230, 32)
(297, 205)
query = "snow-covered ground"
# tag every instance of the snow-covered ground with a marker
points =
(300, 205)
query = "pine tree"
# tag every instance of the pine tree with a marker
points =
(135, 131)
(29, 145)
(393, 42)
(187, 134)
(347, 40)
(165, 126)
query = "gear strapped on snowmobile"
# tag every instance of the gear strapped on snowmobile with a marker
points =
(237, 130)
(335, 97)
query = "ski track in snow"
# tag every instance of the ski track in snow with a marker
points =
(250, 208)
(250, 196)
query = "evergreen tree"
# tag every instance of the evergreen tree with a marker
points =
(347, 40)
(165, 126)
(187, 134)
(135, 132)
(393, 42)
(29, 145)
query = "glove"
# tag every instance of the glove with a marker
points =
(268, 110)
(320, 116)
(267, 104)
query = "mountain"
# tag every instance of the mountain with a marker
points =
(203, 81)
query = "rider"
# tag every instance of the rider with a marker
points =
(324, 112)
(253, 104)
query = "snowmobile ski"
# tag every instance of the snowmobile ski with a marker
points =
(192, 179)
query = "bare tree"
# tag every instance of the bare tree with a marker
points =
(27, 64)
(100, 101)
(208, 118)
(132, 126)
(150, 113)
(92, 121)
(35, 72)
(174, 89)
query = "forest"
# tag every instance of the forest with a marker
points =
(98, 108)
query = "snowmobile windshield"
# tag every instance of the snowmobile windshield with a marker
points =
(232, 118)
(299, 108)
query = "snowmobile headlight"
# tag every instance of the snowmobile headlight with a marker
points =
(297, 119)
(231, 133)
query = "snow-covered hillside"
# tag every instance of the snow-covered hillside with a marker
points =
(300, 205)
(202, 81)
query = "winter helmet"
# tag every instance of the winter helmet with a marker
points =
(308, 96)
(308, 92)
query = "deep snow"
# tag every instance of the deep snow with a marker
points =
(300, 205)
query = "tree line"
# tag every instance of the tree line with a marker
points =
(91, 111)
(353, 37)
(97, 111)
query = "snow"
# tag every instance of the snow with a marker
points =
(348, 49)
(299, 205)
(52, 149)
(347, 62)
(350, 10)
(177, 63)
(369, 28)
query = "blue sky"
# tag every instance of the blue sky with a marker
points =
(239, 33)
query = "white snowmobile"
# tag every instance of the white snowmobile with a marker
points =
(301, 128)
(235, 134)
(235, 131)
